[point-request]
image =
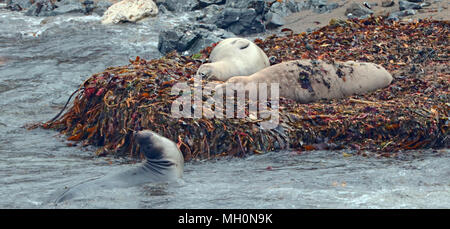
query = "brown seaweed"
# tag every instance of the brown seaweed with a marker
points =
(411, 113)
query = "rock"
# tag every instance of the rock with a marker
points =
(358, 11)
(416, 1)
(387, 3)
(240, 21)
(190, 39)
(394, 16)
(209, 14)
(129, 11)
(88, 5)
(205, 3)
(280, 9)
(260, 6)
(274, 20)
(46, 8)
(237, 3)
(43, 8)
(177, 5)
(319, 6)
(101, 6)
(18, 5)
(405, 5)
(332, 6)
(71, 6)
(179, 39)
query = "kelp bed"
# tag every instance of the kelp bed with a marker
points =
(411, 113)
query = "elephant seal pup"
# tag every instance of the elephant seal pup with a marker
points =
(233, 57)
(310, 80)
(164, 162)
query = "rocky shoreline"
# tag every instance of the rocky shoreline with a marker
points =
(214, 20)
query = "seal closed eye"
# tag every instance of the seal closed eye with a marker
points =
(164, 162)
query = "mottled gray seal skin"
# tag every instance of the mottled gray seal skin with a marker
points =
(308, 81)
(233, 57)
(164, 162)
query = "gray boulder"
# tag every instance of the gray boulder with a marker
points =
(177, 5)
(240, 21)
(405, 5)
(274, 20)
(320, 6)
(18, 5)
(356, 10)
(43, 8)
(101, 6)
(209, 14)
(260, 6)
(387, 3)
(71, 6)
(237, 3)
(46, 8)
(205, 3)
(395, 16)
(190, 39)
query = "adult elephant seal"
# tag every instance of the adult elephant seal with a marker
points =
(164, 162)
(233, 57)
(310, 80)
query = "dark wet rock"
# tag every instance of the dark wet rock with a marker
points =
(179, 39)
(209, 14)
(46, 8)
(260, 6)
(43, 8)
(237, 3)
(387, 3)
(18, 5)
(205, 3)
(190, 39)
(177, 5)
(405, 5)
(89, 6)
(240, 21)
(280, 9)
(395, 16)
(101, 6)
(356, 10)
(72, 6)
(416, 1)
(239, 17)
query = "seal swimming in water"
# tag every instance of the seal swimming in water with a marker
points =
(233, 57)
(164, 162)
(310, 80)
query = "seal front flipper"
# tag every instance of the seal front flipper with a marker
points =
(241, 43)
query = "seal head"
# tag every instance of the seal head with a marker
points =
(162, 155)
(233, 57)
(164, 162)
